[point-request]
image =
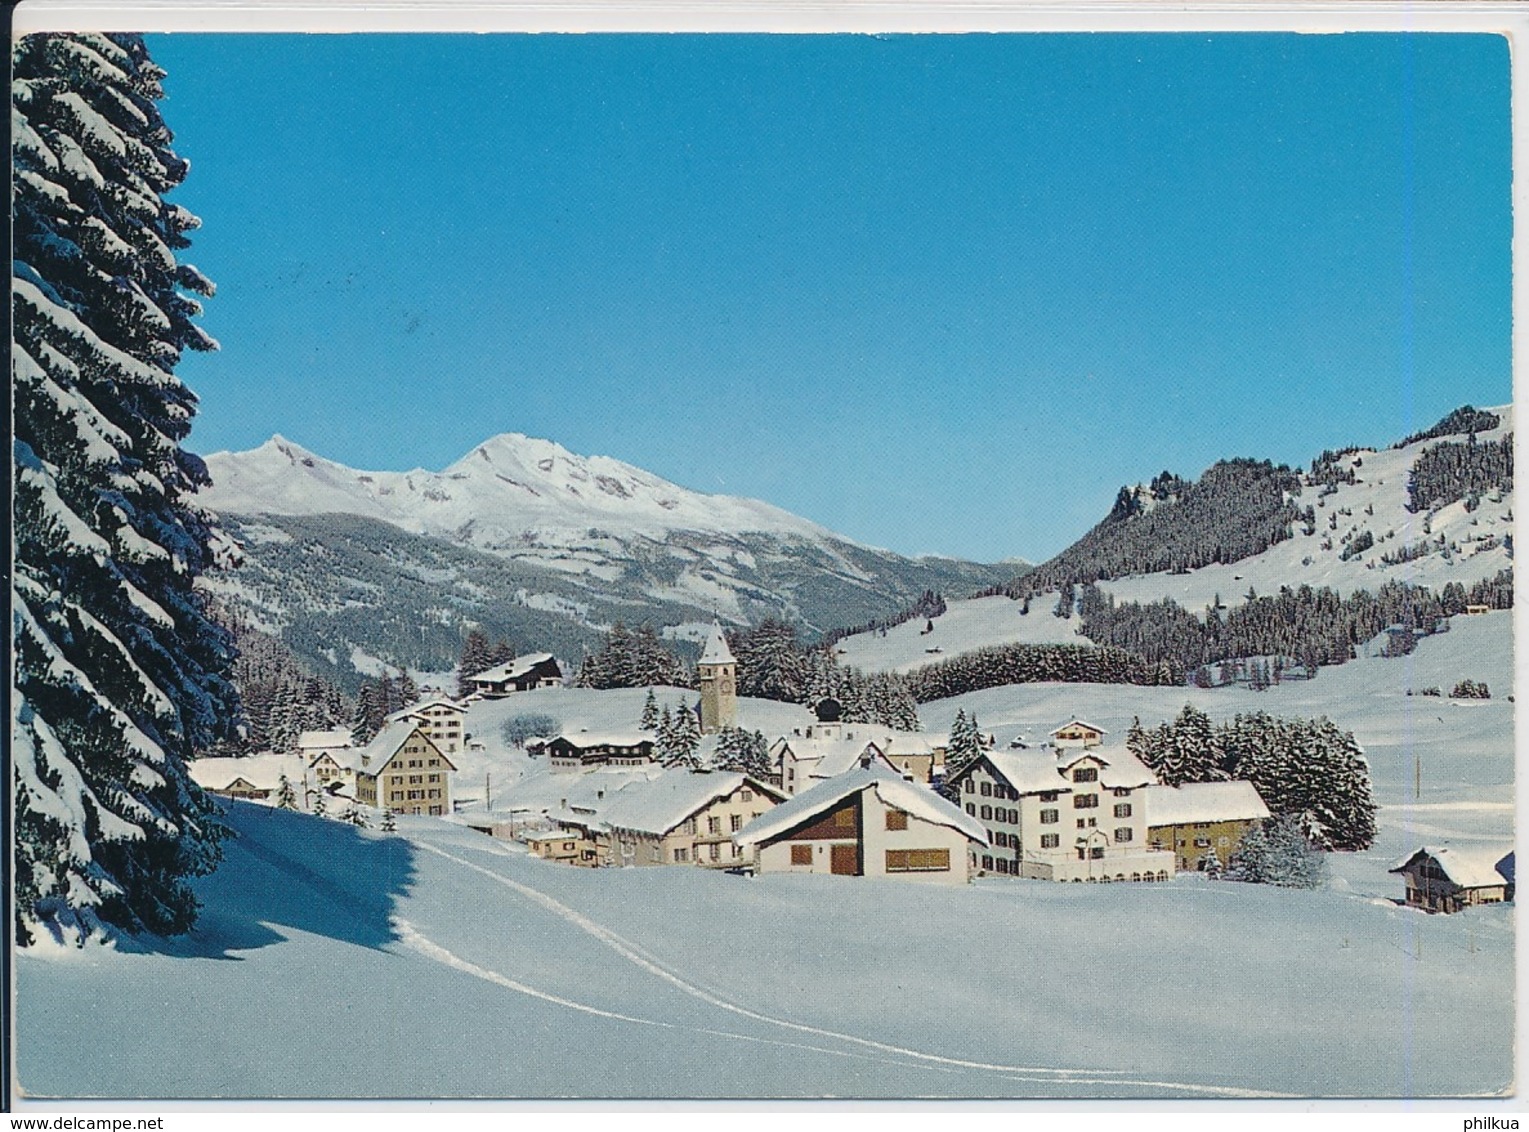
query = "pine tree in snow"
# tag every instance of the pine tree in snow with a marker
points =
(746, 752)
(649, 719)
(389, 821)
(120, 674)
(684, 739)
(1211, 865)
(286, 799)
(965, 744)
(473, 660)
(320, 807)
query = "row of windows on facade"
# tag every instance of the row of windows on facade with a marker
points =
(1048, 817)
(714, 824)
(412, 795)
(1002, 840)
(896, 860)
(714, 852)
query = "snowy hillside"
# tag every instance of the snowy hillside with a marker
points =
(1452, 544)
(1375, 505)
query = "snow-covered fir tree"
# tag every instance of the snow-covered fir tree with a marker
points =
(684, 743)
(473, 660)
(649, 719)
(965, 743)
(286, 798)
(747, 752)
(389, 821)
(320, 805)
(121, 676)
(1278, 852)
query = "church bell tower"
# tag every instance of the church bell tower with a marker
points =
(718, 671)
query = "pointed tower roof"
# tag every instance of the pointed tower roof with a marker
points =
(716, 650)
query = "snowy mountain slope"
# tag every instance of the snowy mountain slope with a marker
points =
(531, 979)
(1463, 546)
(531, 542)
(1375, 504)
(341, 587)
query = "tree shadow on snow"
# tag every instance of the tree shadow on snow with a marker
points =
(283, 869)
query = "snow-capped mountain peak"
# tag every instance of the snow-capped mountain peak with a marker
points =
(506, 489)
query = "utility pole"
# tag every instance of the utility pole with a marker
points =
(1417, 776)
(488, 797)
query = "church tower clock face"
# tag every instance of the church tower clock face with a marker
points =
(727, 684)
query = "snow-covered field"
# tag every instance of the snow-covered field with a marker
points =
(337, 962)
(442, 963)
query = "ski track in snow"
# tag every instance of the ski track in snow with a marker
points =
(632, 954)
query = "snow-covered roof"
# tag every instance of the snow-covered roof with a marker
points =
(511, 668)
(658, 805)
(1075, 721)
(1204, 801)
(895, 743)
(321, 740)
(1122, 770)
(415, 709)
(584, 740)
(826, 758)
(549, 835)
(716, 650)
(1028, 771)
(1469, 868)
(263, 772)
(890, 787)
(384, 745)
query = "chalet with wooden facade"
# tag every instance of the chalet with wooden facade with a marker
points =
(869, 821)
(1197, 819)
(404, 771)
(1450, 880)
(1077, 733)
(579, 750)
(533, 670)
(1073, 814)
(685, 817)
(441, 719)
(570, 845)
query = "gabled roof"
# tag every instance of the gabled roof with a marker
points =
(263, 772)
(657, 806)
(894, 743)
(1469, 868)
(1122, 769)
(314, 740)
(826, 758)
(890, 787)
(387, 743)
(1080, 722)
(1204, 801)
(716, 650)
(1027, 771)
(511, 668)
(415, 709)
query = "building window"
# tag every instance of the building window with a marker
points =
(1123, 834)
(844, 819)
(987, 813)
(688, 827)
(737, 822)
(745, 795)
(1086, 774)
(1050, 840)
(971, 809)
(1097, 852)
(1122, 792)
(1050, 817)
(1123, 809)
(922, 861)
(1085, 801)
(716, 851)
(987, 790)
(969, 787)
(897, 819)
(801, 854)
(713, 825)
(987, 863)
(1048, 796)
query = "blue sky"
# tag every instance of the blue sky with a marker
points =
(941, 294)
